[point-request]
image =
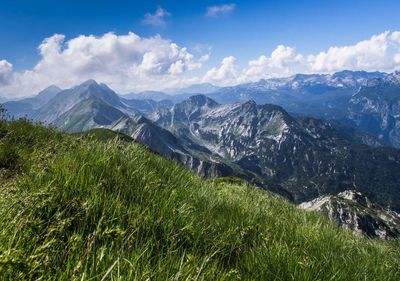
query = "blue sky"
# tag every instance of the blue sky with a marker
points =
(246, 31)
(253, 28)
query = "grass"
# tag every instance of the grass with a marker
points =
(78, 208)
(106, 135)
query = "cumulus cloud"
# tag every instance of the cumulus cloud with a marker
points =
(156, 19)
(379, 53)
(6, 69)
(222, 10)
(133, 63)
(283, 61)
(125, 62)
(226, 74)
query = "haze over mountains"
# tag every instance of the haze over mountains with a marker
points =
(302, 137)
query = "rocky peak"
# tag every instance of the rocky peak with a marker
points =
(201, 100)
(354, 196)
(47, 94)
(191, 109)
(89, 87)
(92, 89)
(248, 105)
(355, 212)
(394, 78)
(51, 88)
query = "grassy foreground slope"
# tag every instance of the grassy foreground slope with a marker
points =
(76, 208)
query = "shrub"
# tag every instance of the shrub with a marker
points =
(8, 156)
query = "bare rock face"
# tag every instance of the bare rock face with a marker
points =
(355, 212)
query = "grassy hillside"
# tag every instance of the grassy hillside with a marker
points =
(75, 208)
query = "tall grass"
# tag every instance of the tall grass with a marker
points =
(75, 208)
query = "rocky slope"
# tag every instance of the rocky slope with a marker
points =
(368, 102)
(375, 108)
(299, 158)
(192, 155)
(355, 212)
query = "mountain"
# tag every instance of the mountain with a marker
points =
(18, 109)
(366, 101)
(357, 136)
(26, 107)
(44, 96)
(175, 95)
(83, 107)
(157, 96)
(92, 93)
(148, 95)
(204, 88)
(88, 105)
(355, 212)
(296, 91)
(146, 106)
(191, 155)
(300, 158)
(375, 108)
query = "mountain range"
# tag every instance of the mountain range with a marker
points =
(364, 101)
(302, 137)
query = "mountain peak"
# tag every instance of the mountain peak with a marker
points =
(52, 89)
(202, 100)
(46, 95)
(89, 82)
(396, 75)
(248, 103)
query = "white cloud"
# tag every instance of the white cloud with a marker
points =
(222, 10)
(6, 69)
(125, 62)
(283, 61)
(379, 53)
(226, 74)
(133, 63)
(156, 19)
(376, 53)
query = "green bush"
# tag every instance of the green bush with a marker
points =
(8, 156)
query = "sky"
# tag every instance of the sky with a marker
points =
(153, 45)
